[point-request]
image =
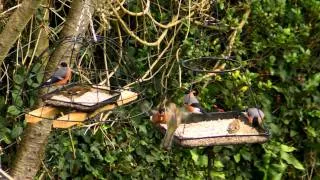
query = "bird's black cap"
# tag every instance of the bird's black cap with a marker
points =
(64, 64)
(195, 91)
(161, 110)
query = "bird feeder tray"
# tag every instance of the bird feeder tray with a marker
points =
(213, 130)
(76, 117)
(85, 98)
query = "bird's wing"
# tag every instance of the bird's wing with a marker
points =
(199, 107)
(254, 112)
(60, 73)
(188, 99)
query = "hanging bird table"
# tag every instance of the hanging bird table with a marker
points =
(215, 128)
(92, 91)
(88, 103)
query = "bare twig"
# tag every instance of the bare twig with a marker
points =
(72, 144)
(145, 11)
(10, 9)
(144, 77)
(126, 28)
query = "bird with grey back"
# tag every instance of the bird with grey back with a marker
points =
(192, 103)
(60, 77)
(255, 117)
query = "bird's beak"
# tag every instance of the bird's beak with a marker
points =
(250, 119)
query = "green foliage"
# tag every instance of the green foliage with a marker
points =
(279, 50)
(22, 94)
(127, 151)
(281, 76)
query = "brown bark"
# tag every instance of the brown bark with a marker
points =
(1, 6)
(75, 26)
(32, 148)
(17, 22)
(42, 34)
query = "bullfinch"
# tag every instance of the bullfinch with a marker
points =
(254, 116)
(157, 116)
(191, 102)
(61, 77)
(160, 116)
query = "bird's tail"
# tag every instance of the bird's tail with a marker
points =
(167, 140)
(172, 124)
(49, 82)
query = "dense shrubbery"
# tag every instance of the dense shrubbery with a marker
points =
(279, 46)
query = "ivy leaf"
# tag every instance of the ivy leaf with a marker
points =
(29, 81)
(275, 175)
(218, 174)
(13, 110)
(36, 68)
(245, 154)
(109, 158)
(16, 132)
(237, 157)
(6, 139)
(150, 159)
(140, 151)
(311, 131)
(290, 159)
(143, 129)
(18, 79)
(314, 113)
(40, 77)
(286, 148)
(280, 167)
(203, 161)
(194, 156)
(96, 151)
(218, 164)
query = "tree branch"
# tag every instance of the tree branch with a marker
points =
(17, 22)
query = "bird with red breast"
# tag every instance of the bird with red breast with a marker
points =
(254, 116)
(60, 77)
(160, 116)
(191, 102)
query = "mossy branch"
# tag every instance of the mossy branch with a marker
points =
(17, 22)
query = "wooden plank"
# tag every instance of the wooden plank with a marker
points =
(102, 109)
(45, 112)
(62, 122)
(126, 97)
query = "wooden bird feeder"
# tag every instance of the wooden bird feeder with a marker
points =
(81, 102)
(213, 130)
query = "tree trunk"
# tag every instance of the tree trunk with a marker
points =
(17, 22)
(1, 6)
(32, 147)
(42, 34)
